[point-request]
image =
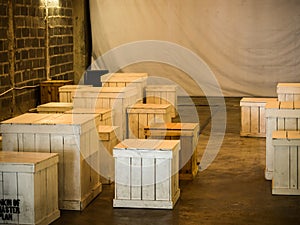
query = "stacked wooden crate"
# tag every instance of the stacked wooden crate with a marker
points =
(49, 90)
(67, 92)
(115, 98)
(279, 116)
(28, 188)
(75, 139)
(163, 94)
(137, 80)
(253, 122)
(188, 134)
(141, 115)
(286, 175)
(146, 173)
(288, 92)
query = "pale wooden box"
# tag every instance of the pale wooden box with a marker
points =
(137, 80)
(146, 173)
(115, 98)
(279, 116)
(288, 92)
(286, 176)
(75, 139)
(253, 123)
(104, 115)
(188, 134)
(54, 107)
(141, 115)
(163, 94)
(29, 184)
(67, 92)
(107, 141)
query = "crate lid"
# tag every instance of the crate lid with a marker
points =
(26, 162)
(114, 75)
(246, 101)
(149, 108)
(89, 111)
(106, 133)
(148, 144)
(72, 87)
(55, 106)
(172, 129)
(161, 87)
(95, 92)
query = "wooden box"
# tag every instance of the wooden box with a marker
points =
(279, 116)
(49, 90)
(146, 173)
(137, 80)
(75, 139)
(67, 92)
(115, 98)
(141, 115)
(29, 188)
(104, 115)
(55, 107)
(188, 134)
(288, 92)
(162, 94)
(286, 176)
(253, 123)
(107, 141)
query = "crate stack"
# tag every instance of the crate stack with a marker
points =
(277, 119)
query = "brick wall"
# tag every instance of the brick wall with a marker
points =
(23, 50)
(61, 41)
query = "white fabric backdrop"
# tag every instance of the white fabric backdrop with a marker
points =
(249, 45)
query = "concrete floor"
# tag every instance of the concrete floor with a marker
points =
(232, 190)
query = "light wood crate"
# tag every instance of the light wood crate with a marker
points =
(107, 141)
(55, 107)
(115, 98)
(146, 173)
(104, 115)
(67, 92)
(137, 80)
(29, 188)
(75, 139)
(141, 115)
(279, 116)
(286, 176)
(288, 92)
(253, 123)
(163, 94)
(49, 90)
(188, 134)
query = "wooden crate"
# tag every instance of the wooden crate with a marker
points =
(104, 115)
(146, 173)
(163, 94)
(279, 116)
(253, 123)
(55, 107)
(67, 92)
(107, 141)
(75, 139)
(115, 98)
(49, 90)
(141, 115)
(288, 92)
(29, 188)
(188, 134)
(286, 176)
(137, 80)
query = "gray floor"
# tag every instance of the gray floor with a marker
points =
(232, 190)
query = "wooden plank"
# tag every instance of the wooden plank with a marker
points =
(293, 167)
(122, 182)
(281, 167)
(254, 120)
(148, 179)
(163, 179)
(262, 121)
(136, 178)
